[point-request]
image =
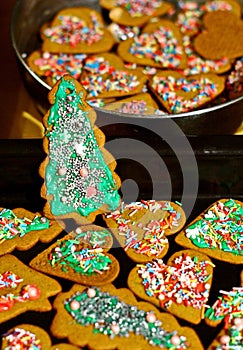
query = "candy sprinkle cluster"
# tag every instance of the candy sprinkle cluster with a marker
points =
(21, 339)
(221, 227)
(154, 240)
(233, 337)
(138, 8)
(55, 65)
(161, 46)
(167, 88)
(183, 282)
(228, 305)
(84, 261)
(10, 280)
(102, 77)
(73, 30)
(95, 238)
(110, 316)
(11, 226)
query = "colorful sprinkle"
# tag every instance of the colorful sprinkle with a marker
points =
(21, 339)
(221, 227)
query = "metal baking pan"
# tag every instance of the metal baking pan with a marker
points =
(26, 21)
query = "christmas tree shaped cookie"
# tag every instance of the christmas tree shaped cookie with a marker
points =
(78, 173)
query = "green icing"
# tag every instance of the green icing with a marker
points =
(221, 227)
(85, 261)
(72, 149)
(12, 226)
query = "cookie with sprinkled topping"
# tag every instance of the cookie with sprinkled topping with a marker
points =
(52, 66)
(159, 45)
(137, 12)
(227, 308)
(231, 335)
(23, 289)
(79, 173)
(72, 259)
(141, 228)
(28, 336)
(140, 104)
(217, 231)
(179, 93)
(222, 37)
(94, 235)
(109, 318)
(181, 286)
(21, 229)
(76, 30)
(105, 76)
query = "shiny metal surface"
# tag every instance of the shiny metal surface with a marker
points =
(26, 20)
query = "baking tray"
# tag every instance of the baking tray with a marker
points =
(219, 162)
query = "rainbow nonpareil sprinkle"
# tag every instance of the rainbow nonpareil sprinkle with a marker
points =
(161, 46)
(138, 8)
(55, 65)
(184, 282)
(85, 261)
(221, 227)
(73, 30)
(102, 77)
(20, 338)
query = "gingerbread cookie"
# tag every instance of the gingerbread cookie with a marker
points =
(223, 36)
(217, 231)
(20, 229)
(52, 66)
(179, 93)
(70, 258)
(110, 318)
(137, 12)
(78, 173)
(234, 82)
(228, 307)
(105, 76)
(27, 336)
(76, 30)
(141, 228)
(181, 286)
(230, 337)
(23, 289)
(159, 45)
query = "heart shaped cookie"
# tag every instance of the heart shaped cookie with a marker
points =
(181, 286)
(70, 258)
(76, 30)
(141, 228)
(222, 37)
(109, 318)
(106, 76)
(217, 231)
(137, 12)
(180, 94)
(159, 45)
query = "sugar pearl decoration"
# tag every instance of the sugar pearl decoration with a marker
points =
(150, 317)
(33, 291)
(62, 171)
(74, 305)
(225, 339)
(91, 292)
(83, 172)
(115, 328)
(175, 340)
(238, 322)
(91, 191)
